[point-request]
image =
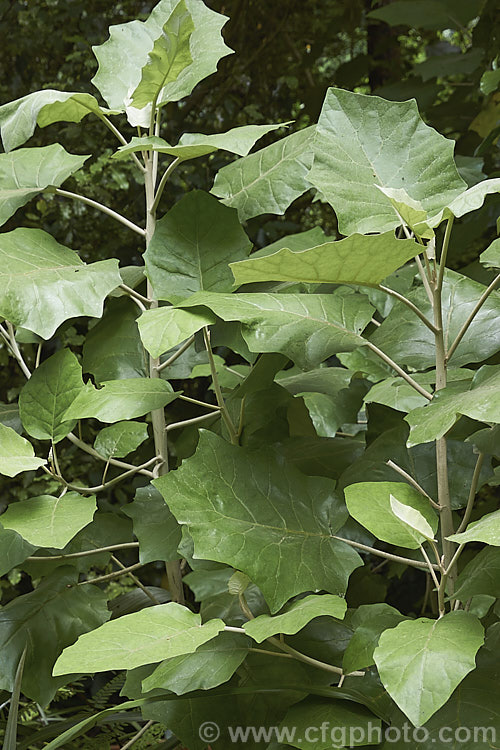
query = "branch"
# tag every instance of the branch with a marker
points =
(85, 553)
(105, 485)
(194, 420)
(408, 304)
(112, 576)
(164, 181)
(399, 370)
(413, 482)
(176, 354)
(121, 138)
(233, 434)
(471, 317)
(138, 583)
(472, 494)
(113, 461)
(199, 403)
(10, 339)
(104, 209)
(387, 555)
(444, 251)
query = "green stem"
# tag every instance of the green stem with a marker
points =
(173, 568)
(471, 317)
(383, 356)
(104, 209)
(103, 485)
(472, 494)
(408, 304)
(137, 582)
(233, 433)
(85, 553)
(121, 138)
(192, 421)
(444, 252)
(113, 461)
(164, 181)
(176, 354)
(386, 555)
(111, 576)
(412, 481)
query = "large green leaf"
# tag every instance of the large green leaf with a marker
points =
(48, 393)
(43, 283)
(164, 328)
(478, 399)
(192, 246)
(13, 549)
(470, 200)
(155, 527)
(370, 504)
(357, 259)
(113, 349)
(406, 339)
(321, 724)
(364, 141)
(192, 145)
(121, 399)
(210, 665)
(171, 630)
(481, 576)
(28, 171)
(296, 616)
(48, 521)
(122, 57)
(120, 439)
(308, 328)
(491, 256)
(57, 606)
(18, 119)
(486, 530)
(422, 661)
(368, 622)
(414, 521)
(400, 395)
(16, 453)
(269, 180)
(166, 61)
(243, 509)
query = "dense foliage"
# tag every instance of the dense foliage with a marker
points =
(249, 434)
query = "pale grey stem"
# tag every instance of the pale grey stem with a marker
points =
(199, 403)
(134, 293)
(104, 209)
(430, 566)
(105, 485)
(424, 278)
(164, 180)
(10, 339)
(408, 304)
(233, 434)
(85, 553)
(138, 735)
(399, 370)
(471, 317)
(387, 555)
(122, 140)
(176, 354)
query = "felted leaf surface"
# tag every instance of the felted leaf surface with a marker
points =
(113, 349)
(57, 605)
(19, 118)
(48, 393)
(486, 530)
(120, 439)
(481, 576)
(338, 716)
(48, 521)
(470, 200)
(210, 665)
(13, 549)
(357, 259)
(155, 527)
(192, 145)
(491, 256)
(192, 246)
(370, 504)
(269, 180)
(307, 328)
(413, 520)
(164, 328)
(421, 662)
(368, 622)
(478, 399)
(406, 339)
(172, 630)
(121, 399)
(43, 283)
(243, 509)
(364, 141)
(122, 57)
(16, 453)
(28, 171)
(168, 58)
(296, 616)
